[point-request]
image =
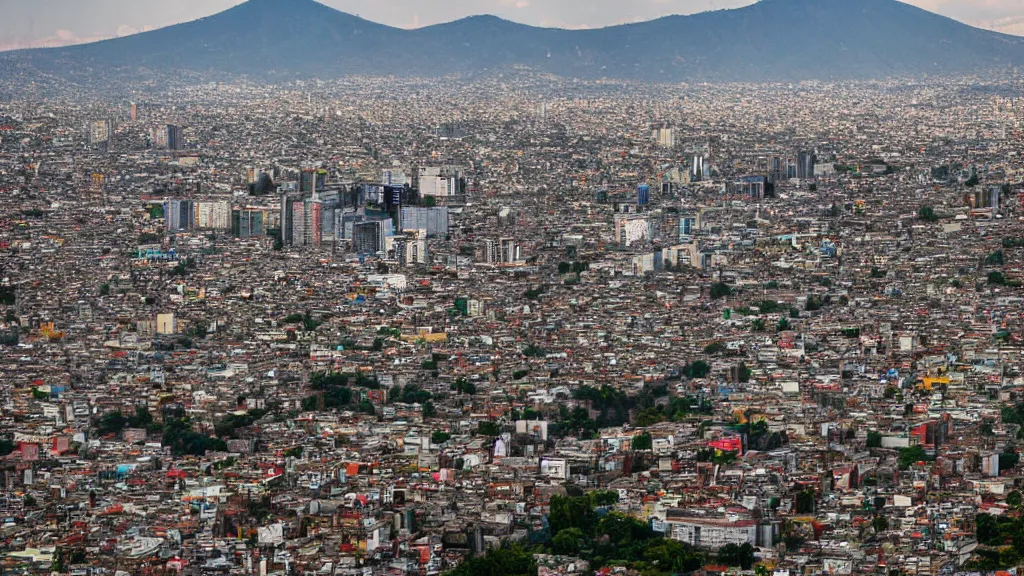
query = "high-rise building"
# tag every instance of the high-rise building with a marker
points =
(411, 248)
(344, 223)
(99, 132)
(643, 195)
(751, 187)
(688, 225)
(805, 165)
(179, 215)
(166, 324)
(509, 250)
(631, 229)
(439, 182)
(298, 223)
(213, 215)
(311, 180)
(312, 211)
(371, 237)
(502, 251)
(248, 223)
(774, 168)
(159, 138)
(665, 137)
(287, 218)
(433, 220)
(492, 251)
(134, 113)
(394, 177)
(175, 137)
(699, 168)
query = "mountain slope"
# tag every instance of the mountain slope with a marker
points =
(780, 40)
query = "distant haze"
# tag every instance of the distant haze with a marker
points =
(38, 23)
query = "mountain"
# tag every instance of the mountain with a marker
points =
(772, 40)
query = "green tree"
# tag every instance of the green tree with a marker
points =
(744, 373)
(793, 541)
(987, 530)
(874, 439)
(488, 428)
(111, 423)
(927, 213)
(463, 386)
(997, 278)
(1013, 499)
(720, 290)
(182, 440)
(567, 512)
(141, 419)
(912, 455)
(671, 556)
(880, 524)
(642, 442)
(698, 369)
(1008, 460)
(8, 295)
(429, 411)
(805, 502)
(715, 347)
(726, 457)
(440, 437)
(568, 542)
(623, 530)
(737, 555)
(603, 497)
(499, 562)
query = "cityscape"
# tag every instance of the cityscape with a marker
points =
(509, 323)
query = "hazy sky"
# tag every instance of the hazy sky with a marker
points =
(27, 23)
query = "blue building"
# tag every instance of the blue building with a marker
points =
(643, 195)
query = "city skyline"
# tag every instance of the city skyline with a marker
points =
(67, 23)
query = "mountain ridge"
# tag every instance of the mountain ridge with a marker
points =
(771, 40)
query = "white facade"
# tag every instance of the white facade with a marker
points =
(214, 215)
(631, 229)
(392, 281)
(99, 131)
(439, 186)
(166, 324)
(665, 137)
(712, 533)
(394, 178)
(438, 182)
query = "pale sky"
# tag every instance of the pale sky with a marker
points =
(32, 23)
